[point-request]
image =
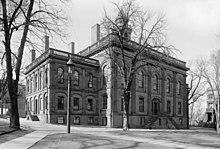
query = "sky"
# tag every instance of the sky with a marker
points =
(192, 25)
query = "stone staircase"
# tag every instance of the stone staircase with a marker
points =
(150, 122)
(161, 122)
(32, 117)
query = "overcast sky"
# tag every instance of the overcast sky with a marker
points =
(193, 25)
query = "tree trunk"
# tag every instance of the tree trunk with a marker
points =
(14, 115)
(126, 110)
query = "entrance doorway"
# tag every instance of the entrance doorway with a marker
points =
(155, 106)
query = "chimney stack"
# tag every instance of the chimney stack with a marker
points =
(46, 42)
(71, 47)
(33, 55)
(95, 33)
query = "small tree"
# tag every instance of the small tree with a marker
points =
(23, 22)
(129, 21)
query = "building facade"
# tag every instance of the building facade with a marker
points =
(158, 96)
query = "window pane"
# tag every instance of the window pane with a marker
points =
(90, 120)
(140, 79)
(141, 104)
(76, 103)
(90, 81)
(168, 107)
(76, 78)
(168, 85)
(90, 105)
(155, 83)
(60, 75)
(179, 108)
(76, 120)
(60, 100)
(104, 102)
(179, 88)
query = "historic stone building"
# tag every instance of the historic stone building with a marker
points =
(158, 97)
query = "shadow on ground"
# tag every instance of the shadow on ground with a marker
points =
(87, 141)
(13, 135)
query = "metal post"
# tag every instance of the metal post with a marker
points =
(69, 64)
(68, 104)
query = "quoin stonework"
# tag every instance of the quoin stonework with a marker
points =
(158, 95)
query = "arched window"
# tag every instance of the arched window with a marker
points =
(140, 79)
(179, 87)
(155, 83)
(35, 82)
(104, 76)
(60, 75)
(28, 85)
(31, 85)
(76, 78)
(90, 104)
(168, 85)
(76, 103)
(46, 77)
(40, 80)
(60, 102)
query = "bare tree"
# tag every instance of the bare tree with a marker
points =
(195, 90)
(23, 22)
(210, 72)
(130, 22)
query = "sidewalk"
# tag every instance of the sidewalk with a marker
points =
(40, 130)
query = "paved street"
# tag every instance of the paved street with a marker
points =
(38, 135)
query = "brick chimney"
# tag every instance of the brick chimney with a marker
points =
(95, 33)
(71, 47)
(33, 55)
(46, 42)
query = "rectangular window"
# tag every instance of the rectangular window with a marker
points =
(60, 102)
(168, 107)
(141, 104)
(179, 108)
(76, 120)
(104, 102)
(90, 105)
(90, 120)
(90, 81)
(76, 103)
(210, 96)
